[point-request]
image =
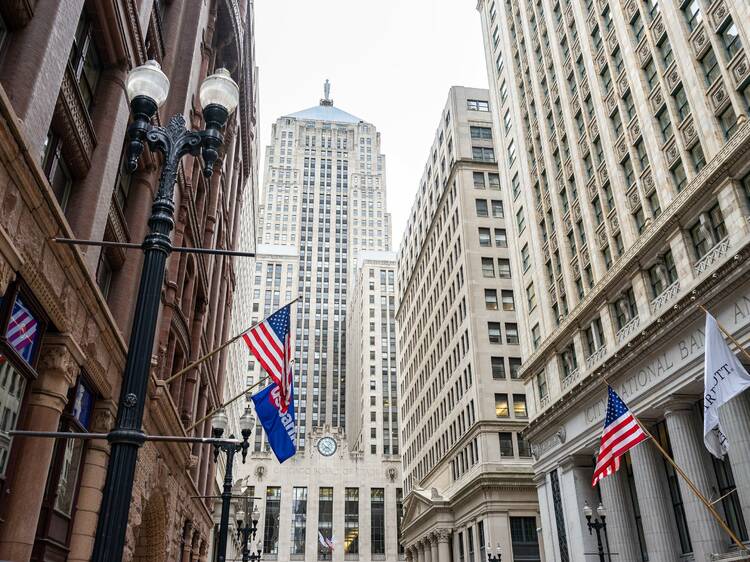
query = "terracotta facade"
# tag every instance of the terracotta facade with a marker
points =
(66, 311)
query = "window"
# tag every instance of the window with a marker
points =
(731, 39)
(624, 309)
(627, 168)
(665, 50)
(56, 169)
(479, 180)
(662, 274)
(679, 176)
(511, 152)
(377, 514)
(104, 273)
(497, 209)
(481, 133)
(498, 368)
(84, 60)
(481, 205)
(680, 100)
(730, 501)
(519, 406)
(515, 367)
(488, 267)
(493, 331)
(524, 539)
(728, 120)
(501, 238)
(651, 76)
(696, 153)
(525, 259)
(490, 299)
(477, 105)
(501, 406)
(693, 14)
(524, 450)
(494, 180)
(507, 121)
(665, 124)
(484, 237)
(515, 186)
(511, 333)
(506, 441)
(536, 336)
(708, 231)
(541, 385)
(594, 336)
(299, 520)
(520, 220)
(710, 67)
(653, 203)
(503, 92)
(271, 525)
(508, 301)
(483, 154)
(325, 521)
(503, 268)
(531, 297)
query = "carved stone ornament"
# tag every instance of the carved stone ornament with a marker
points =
(673, 78)
(443, 535)
(741, 70)
(672, 153)
(593, 190)
(699, 41)
(635, 131)
(644, 53)
(623, 84)
(57, 360)
(602, 239)
(391, 473)
(634, 200)
(560, 434)
(719, 97)
(614, 223)
(601, 62)
(688, 132)
(594, 129)
(720, 13)
(648, 182)
(622, 149)
(260, 471)
(657, 99)
(658, 29)
(603, 175)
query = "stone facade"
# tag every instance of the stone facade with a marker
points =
(624, 127)
(467, 469)
(63, 117)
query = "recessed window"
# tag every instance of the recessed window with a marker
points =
(525, 258)
(731, 38)
(693, 15)
(519, 406)
(481, 206)
(484, 237)
(503, 268)
(681, 102)
(497, 209)
(501, 406)
(479, 181)
(493, 331)
(710, 67)
(679, 176)
(699, 159)
(488, 267)
(501, 238)
(494, 180)
(508, 301)
(728, 120)
(511, 333)
(483, 153)
(498, 367)
(531, 297)
(477, 105)
(490, 299)
(515, 367)
(481, 133)
(506, 441)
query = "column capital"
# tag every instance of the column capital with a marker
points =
(679, 403)
(577, 461)
(61, 357)
(443, 535)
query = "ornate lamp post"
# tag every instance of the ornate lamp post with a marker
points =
(498, 556)
(246, 533)
(220, 424)
(597, 525)
(147, 88)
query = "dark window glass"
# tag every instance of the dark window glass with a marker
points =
(84, 60)
(377, 515)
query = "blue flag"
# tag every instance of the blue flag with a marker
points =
(281, 429)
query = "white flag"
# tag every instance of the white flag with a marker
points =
(324, 542)
(725, 378)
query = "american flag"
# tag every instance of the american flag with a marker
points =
(621, 433)
(22, 330)
(269, 342)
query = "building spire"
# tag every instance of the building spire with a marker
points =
(326, 93)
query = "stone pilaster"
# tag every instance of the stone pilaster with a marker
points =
(575, 487)
(657, 517)
(734, 417)
(621, 528)
(444, 547)
(427, 549)
(48, 397)
(690, 455)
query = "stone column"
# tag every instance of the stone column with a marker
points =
(409, 556)
(92, 483)
(48, 397)
(427, 550)
(657, 517)
(434, 547)
(621, 529)
(419, 552)
(444, 546)
(575, 488)
(734, 417)
(187, 541)
(689, 453)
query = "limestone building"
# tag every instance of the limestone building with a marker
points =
(63, 118)
(625, 161)
(467, 468)
(324, 202)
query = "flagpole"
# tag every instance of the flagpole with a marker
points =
(727, 334)
(687, 480)
(230, 341)
(225, 404)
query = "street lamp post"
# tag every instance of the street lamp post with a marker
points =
(498, 556)
(147, 88)
(597, 525)
(246, 534)
(220, 423)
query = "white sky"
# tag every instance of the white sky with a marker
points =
(390, 62)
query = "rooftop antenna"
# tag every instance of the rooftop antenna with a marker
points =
(326, 94)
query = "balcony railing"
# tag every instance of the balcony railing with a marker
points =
(571, 377)
(713, 255)
(595, 357)
(665, 297)
(544, 401)
(624, 332)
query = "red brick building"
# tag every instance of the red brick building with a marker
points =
(65, 311)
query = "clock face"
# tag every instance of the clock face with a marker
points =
(327, 446)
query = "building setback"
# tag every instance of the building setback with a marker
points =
(467, 469)
(63, 118)
(625, 159)
(324, 203)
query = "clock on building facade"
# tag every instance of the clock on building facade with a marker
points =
(327, 446)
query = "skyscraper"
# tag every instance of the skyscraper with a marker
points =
(467, 468)
(624, 155)
(324, 204)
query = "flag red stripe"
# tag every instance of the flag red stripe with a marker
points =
(624, 430)
(269, 358)
(621, 449)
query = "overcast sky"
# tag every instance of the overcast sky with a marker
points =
(390, 62)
